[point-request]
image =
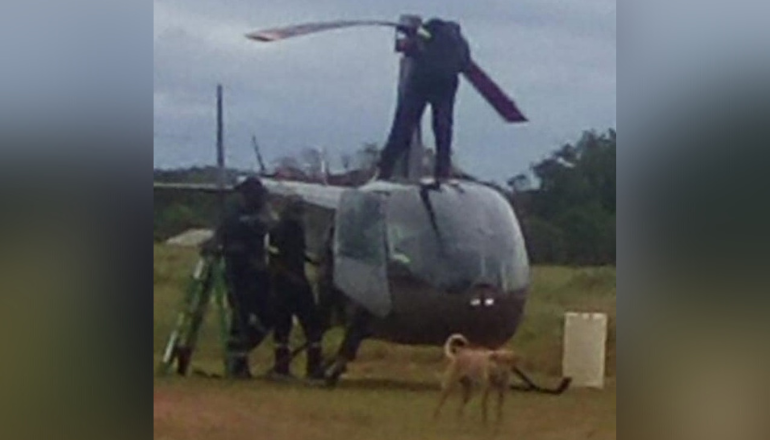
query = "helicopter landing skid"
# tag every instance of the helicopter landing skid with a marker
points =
(532, 386)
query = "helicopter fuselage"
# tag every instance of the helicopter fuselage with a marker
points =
(431, 262)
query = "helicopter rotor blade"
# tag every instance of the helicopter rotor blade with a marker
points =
(483, 84)
(493, 94)
(275, 34)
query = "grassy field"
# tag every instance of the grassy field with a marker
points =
(390, 390)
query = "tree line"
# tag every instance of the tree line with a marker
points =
(565, 202)
(568, 214)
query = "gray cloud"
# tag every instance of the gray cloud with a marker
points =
(337, 90)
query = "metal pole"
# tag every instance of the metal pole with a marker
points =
(220, 151)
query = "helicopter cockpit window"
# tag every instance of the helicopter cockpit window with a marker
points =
(469, 241)
(360, 229)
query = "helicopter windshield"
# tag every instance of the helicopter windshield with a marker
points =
(456, 239)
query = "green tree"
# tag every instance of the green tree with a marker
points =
(570, 216)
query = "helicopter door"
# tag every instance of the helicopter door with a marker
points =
(360, 258)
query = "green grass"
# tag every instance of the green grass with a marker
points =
(555, 290)
(390, 390)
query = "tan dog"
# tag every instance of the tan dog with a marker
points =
(479, 367)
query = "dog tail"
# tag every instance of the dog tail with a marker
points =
(451, 342)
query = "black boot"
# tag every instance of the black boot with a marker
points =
(282, 361)
(314, 368)
(238, 367)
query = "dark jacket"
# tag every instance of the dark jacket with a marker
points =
(242, 231)
(287, 243)
(442, 56)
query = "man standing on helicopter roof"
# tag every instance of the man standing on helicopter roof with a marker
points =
(439, 54)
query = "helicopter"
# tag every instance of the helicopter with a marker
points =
(425, 262)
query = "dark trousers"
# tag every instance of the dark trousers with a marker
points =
(356, 331)
(331, 301)
(251, 306)
(409, 111)
(294, 296)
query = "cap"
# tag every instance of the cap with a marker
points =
(250, 185)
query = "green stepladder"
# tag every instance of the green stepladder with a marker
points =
(207, 283)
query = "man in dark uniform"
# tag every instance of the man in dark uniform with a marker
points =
(241, 235)
(292, 291)
(439, 53)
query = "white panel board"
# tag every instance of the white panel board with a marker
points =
(585, 342)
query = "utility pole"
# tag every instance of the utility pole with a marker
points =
(220, 151)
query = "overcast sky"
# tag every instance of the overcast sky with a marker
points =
(336, 90)
(91, 64)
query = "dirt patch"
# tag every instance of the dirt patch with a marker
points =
(216, 409)
(183, 414)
